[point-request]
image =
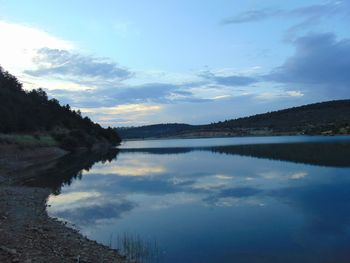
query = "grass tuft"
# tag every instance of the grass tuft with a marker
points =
(28, 140)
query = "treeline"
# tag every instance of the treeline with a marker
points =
(329, 118)
(32, 112)
(153, 131)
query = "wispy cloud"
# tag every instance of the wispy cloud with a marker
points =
(306, 12)
(252, 16)
(151, 92)
(107, 96)
(229, 80)
(64, 64)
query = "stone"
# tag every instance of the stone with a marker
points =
(9, 250)
(2, 179)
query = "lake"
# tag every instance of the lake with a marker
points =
(267, 199)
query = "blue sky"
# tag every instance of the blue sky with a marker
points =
(141, 62)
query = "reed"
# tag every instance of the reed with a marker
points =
(137, 249)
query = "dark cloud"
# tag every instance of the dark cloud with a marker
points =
(307, 12)
(54, 62)
(233, 80)
(321, 63)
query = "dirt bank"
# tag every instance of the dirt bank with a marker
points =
(27, 233)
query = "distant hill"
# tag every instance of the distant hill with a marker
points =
(32, 113)
(331, 117)
(157, 130)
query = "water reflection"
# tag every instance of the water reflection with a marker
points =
(319, 153)
(256, 203)
(62, 172)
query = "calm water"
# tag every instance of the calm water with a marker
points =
(228, 141)
(281, 199)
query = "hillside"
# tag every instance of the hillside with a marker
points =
(320, 117)
(157, 130)
(31, 117)
(332, 117)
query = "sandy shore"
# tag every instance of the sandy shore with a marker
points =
(27, 233)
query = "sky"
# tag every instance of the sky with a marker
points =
(131, 63)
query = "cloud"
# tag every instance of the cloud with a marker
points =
(252, 16)
(123, 109)
(229, 80)
(19, 43)
(294, 93)
(151, 92)
(122, 114)
(311, 12)
(320, 64)
(63, 63)
(110, 96)
(126, 105)
(114, 95)
(325, 9)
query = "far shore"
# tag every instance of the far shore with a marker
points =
(185, 137)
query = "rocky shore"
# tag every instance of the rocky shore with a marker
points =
(27, 233)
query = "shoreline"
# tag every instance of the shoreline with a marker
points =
(179, 137)
(27, 233)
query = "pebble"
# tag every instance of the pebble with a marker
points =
(41, 238)
(2, 179)
(9, 250)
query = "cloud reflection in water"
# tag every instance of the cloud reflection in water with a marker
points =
(262, 205)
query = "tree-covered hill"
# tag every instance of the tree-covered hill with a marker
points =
(32, 112)
(150, 131)
(332, 117)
